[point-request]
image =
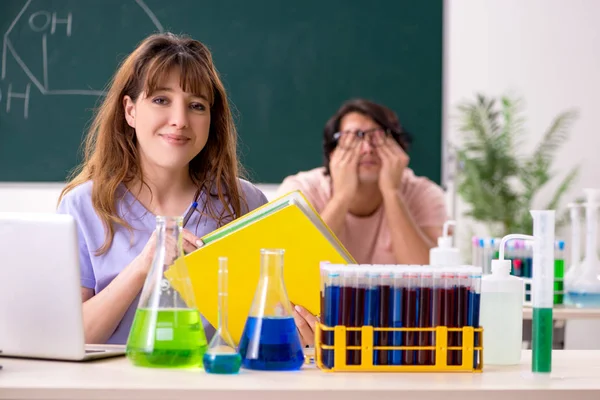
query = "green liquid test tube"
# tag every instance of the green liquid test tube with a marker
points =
(543, 290)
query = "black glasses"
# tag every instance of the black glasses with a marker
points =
(375, 136)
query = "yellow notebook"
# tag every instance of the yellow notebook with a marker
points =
(288, 223)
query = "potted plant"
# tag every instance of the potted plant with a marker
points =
(497, 180)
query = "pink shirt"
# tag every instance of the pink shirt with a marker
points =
(368, 239)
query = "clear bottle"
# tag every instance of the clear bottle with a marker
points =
(501, 311)
(270, 339)
(167, 329)
(445, 255)
(222, 356)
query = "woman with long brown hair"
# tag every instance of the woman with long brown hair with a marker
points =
(163, 139)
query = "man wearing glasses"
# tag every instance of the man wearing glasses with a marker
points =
(379, 209)
(371, 200)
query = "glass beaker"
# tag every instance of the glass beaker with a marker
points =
(270, 339)
(585, 289)
(222, 356)
(167, 329)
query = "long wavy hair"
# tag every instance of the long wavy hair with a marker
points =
(111, 156)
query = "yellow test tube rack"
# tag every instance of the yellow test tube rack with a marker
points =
(469, 351)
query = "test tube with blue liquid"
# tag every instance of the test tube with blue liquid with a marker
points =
(474, 309)
(396, 304)
(331, 308)
(347, 300)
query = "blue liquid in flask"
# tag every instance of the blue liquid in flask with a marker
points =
(271, 344)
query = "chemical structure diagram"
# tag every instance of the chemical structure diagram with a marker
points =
(15, 98)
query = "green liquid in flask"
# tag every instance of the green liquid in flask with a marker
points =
(169, 338)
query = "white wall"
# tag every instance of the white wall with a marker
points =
(545, 51)
(43, 197)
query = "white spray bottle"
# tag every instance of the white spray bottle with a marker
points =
(502, 310)
(445, 255)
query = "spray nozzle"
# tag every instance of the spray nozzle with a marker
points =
(502, 266)
(445, 241)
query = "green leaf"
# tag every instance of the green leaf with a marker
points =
(555, 136)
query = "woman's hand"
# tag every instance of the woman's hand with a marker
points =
(191, 242)
(305, 322)
(144, 260)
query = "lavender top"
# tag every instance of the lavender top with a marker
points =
(98, 271)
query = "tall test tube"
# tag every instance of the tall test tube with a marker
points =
(542, 290)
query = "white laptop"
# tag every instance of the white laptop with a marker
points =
(40, 290)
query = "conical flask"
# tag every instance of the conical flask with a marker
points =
(270, 339)
(585, 290)
(222, 356)
(167, 329)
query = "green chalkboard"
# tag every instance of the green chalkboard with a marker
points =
(287, 65)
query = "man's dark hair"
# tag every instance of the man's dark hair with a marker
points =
(382, 115)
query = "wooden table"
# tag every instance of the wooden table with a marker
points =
(576, 376)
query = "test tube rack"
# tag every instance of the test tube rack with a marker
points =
(471, 354)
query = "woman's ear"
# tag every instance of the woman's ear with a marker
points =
(129, 108)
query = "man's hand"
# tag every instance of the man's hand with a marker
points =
(393, 162)
(343, 166)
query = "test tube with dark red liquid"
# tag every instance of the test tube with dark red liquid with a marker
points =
(448, 316)
(409, 316)
(425, 315)
(462, 306)
(439, 305)
(371, 310)
(385, 285)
